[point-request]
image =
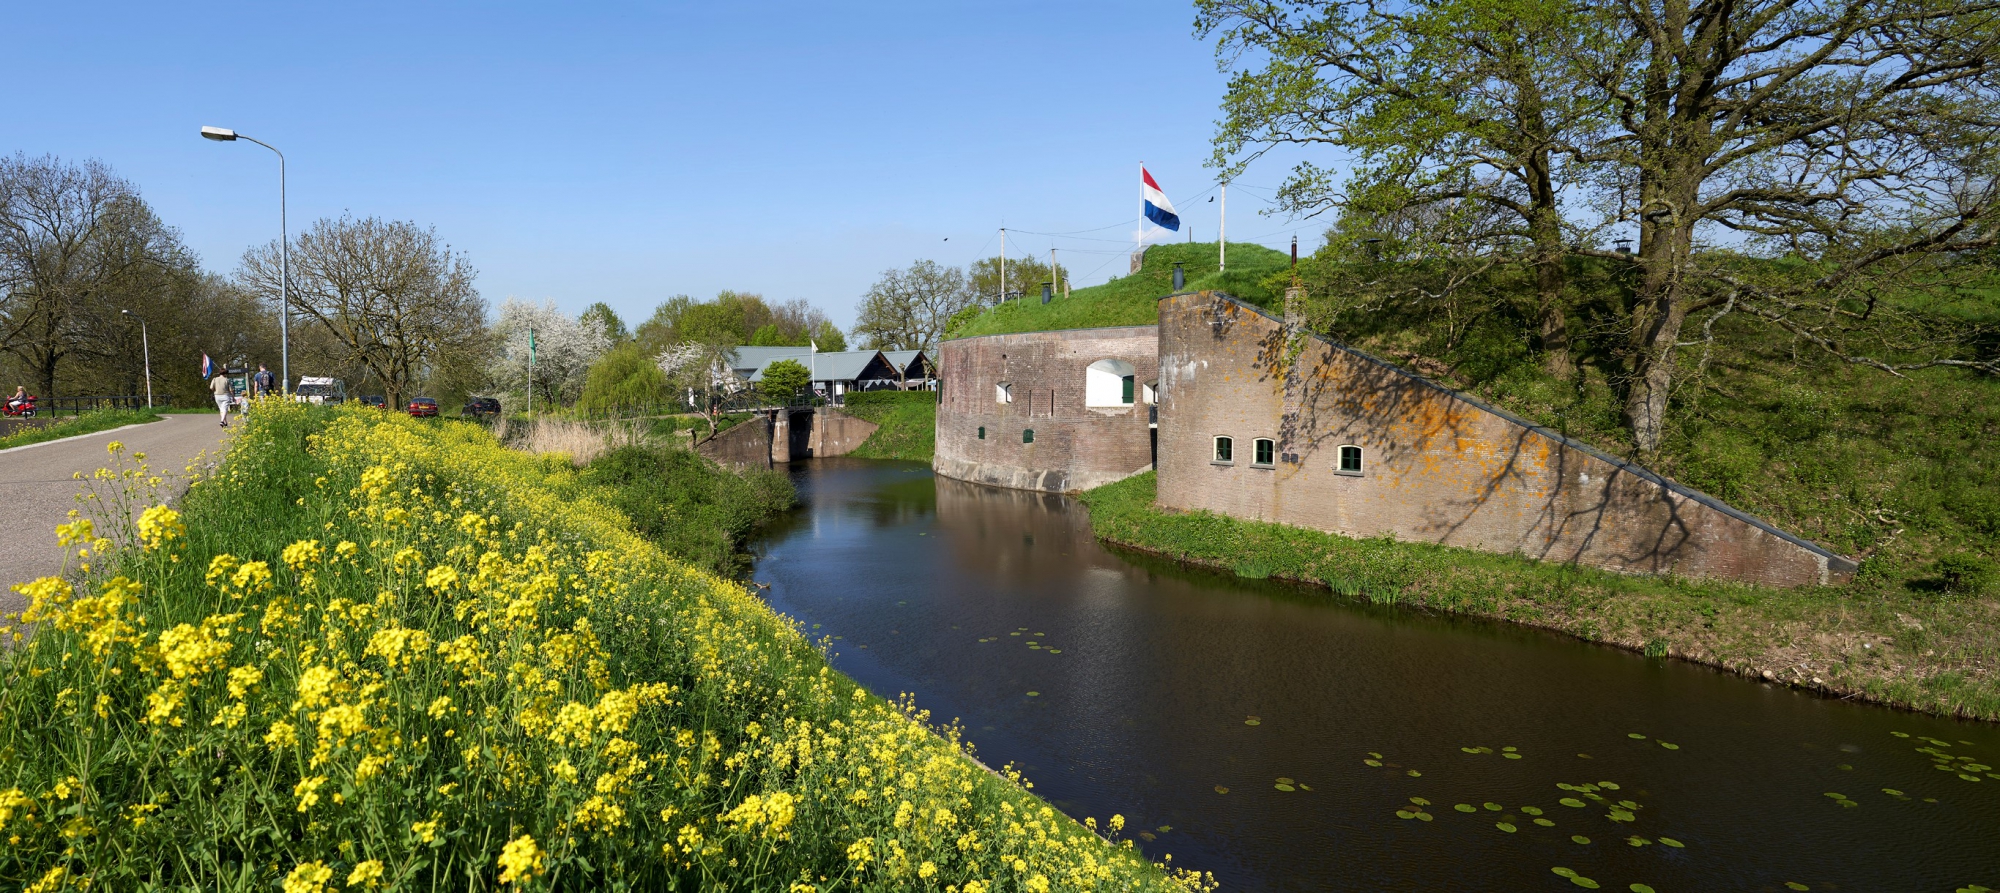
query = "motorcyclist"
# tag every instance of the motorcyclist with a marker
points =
(20, 397)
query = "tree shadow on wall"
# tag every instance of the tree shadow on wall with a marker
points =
(1334, 395)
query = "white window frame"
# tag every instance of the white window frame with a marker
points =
(1339, 455)
(1215, 450)
(1274, 452)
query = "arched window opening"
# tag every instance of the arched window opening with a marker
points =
(1266, 452)
(1003, 392)
(1225, 450)
(1350, 460)
(1109, 383)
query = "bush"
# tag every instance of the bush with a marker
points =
(783, 380)
(693, 508)
(1966, 572)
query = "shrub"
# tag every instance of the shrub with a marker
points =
(691, 507)
(783, 380)
(1966, 572)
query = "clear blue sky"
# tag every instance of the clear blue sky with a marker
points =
(628, 153)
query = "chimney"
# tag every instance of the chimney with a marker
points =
(1180, 277)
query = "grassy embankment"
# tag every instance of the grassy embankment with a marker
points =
(88, 423)
(1897, 646)
(695, 510)
(380, 651)
(908, 421)
(1133, 300)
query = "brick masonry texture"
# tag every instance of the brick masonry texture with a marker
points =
(1436, 466)
(1076, 447)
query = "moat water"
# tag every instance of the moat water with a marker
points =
(1184, 700)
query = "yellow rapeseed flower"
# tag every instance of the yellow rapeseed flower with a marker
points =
(310, 877)
(520, 860)
(367, 875)
(160, 525)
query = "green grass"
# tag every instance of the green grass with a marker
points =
(376, 646)
(908, 421)
(696, 510)
(1929, 650)
(1132, 300)
(88, 423)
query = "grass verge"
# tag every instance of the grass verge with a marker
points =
(88, 423)
(908, 421)
(373, 652)
(698, 511)
(1922, 650)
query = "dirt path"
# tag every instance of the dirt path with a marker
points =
(37, 487)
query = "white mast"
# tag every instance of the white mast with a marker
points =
(1222, 231)
(1003, 265)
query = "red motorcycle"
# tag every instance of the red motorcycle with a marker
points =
(21, 408)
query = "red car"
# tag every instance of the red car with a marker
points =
(423, 408)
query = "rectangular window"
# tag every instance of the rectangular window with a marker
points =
(1225, 450)
(1027, 435)
(1003, 393)
(982, 432)
(1267, 452)
(1350, 460)
(1126, 384)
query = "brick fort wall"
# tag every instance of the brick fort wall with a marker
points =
(1076, 446)
(1436, 466)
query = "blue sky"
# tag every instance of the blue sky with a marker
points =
(629, 153)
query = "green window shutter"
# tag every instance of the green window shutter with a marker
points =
(1127, 392)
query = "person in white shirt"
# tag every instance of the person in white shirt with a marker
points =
(220, 385)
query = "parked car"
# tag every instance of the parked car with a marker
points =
(423, 408)
(318, 389)
(481, 408)
(375, 401)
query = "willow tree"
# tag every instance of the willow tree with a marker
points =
(1853, 140)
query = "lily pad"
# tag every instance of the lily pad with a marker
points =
(1034, 694)
(1673, 843)
(1221, 790)
(1571, 802)
(1836, 796)
(1495, 807)
(1636, 840)
(1055, 650)
(1284, 780)
(1253, 721)
(1584, 882)
(1466, 807)
(1511, 756)
(1414, 774)
(1608, 785)
(1795, 885)
(1285, 787)
(1532, 810)
(1424, 816)
(1669, 745)
(1900, 734)
(1545, 823)
(1164, 828)
(1509, 749)
(1420, 801)
(1505, 827)
(1405, 814)
(1376, 763)
(1375, 755)
(1307, 787)
(1580, 839)
(1640, 888)
(1635, 736)
(1563, 872)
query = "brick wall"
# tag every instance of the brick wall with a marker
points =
(1436, 466)
(746, 445)
(836, 433)
(1076, 446)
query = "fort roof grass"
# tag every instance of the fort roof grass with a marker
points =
(1130, 300)
(1925, 651)
(907, 420)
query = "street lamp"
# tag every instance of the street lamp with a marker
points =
(225, 135)
(146, 346)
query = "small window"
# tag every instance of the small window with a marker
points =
(1267, 452)
(1003, 393)
(1027, 435)
(1225, 449)
(1126, 386)
(982, 432)
(1350, 460)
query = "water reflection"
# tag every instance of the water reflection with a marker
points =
(1146, 676)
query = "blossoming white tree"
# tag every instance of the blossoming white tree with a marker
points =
(564, 348)
(701, 371)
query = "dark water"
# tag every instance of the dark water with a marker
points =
(1143, 712)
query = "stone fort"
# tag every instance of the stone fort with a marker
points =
(1245, 415)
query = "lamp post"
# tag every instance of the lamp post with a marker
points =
(225, 135)
(146, 348)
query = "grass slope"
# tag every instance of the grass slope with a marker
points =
(88, 423)
(1131, 300)
(908, 421)
(378, 652)
(1923, 651)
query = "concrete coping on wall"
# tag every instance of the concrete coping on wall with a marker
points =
(1834, 561)
(1059, 331)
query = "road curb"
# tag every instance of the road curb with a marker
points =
(30, 446)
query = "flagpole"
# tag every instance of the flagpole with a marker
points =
(1222, 232)
(1003, 266)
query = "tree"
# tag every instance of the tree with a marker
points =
(564, 348)
(1025, 276)
(606, 320)
(701, 371)
(1851, 138)
(783, 380)
(77, 245)
(395, 299)
(828, 336)
(624, 380)
(908, 309)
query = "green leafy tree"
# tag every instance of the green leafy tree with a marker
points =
(828, 337)
(606, 320)
(623, 381)
(783, 380)
(1025, 276)
(908, 309)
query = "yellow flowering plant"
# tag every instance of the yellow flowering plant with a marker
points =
(374, 654)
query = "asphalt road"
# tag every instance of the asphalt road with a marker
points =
(37, 483)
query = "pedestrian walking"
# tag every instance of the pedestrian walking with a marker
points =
(220, 385)
(263, 383)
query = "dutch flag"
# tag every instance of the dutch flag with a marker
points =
(207, 368)
(1158, 209)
